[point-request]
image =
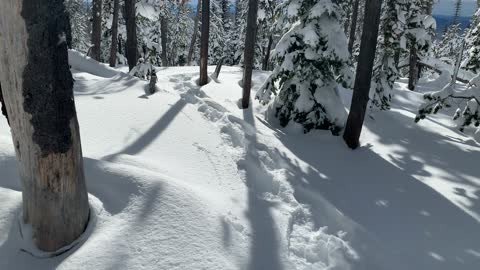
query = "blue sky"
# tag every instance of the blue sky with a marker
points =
(446, 7)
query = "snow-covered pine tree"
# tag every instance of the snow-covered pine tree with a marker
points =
(217, 33)
(79, 29)
(447, 48)
(385, 70)
(312, 58)
(420, 27)
(266, 33)
(180, 32)
(472, 61)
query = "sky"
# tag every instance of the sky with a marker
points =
(446, 7)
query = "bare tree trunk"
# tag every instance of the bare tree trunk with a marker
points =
(38, 92)
(363, 75)
(249, 53)
(413, 67)
(267, 53)
(218, 68)
(96, 29)
(353, 25)
(204, 42)
(113, 48)
(131, 18)
(163, 33)
(194, 36)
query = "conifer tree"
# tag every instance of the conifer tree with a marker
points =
(311, 56)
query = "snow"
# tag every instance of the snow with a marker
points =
(184, 179)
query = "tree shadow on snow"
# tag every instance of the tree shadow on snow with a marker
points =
(264, 250)
(414, 227)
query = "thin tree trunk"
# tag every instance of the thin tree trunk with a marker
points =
(363, 75)
(132, 51)
(114, 46)
(413, 67)
(38, 91)
(267, 53)
(163, 33)
(353, 25)
(249, 53)
(96, 29)
(204, 42)
(194, 36)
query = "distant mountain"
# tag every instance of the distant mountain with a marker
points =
(443, 21)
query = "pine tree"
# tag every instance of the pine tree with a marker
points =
(217, 33)
(204, 42)
(310, 57)
(131, 21)
(96, 29)
(472, 61)
(364, 73)
(78, 21)
(385, 71)
(447, 48)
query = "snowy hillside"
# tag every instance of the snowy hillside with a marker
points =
(184, 179)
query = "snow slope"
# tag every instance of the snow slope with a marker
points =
(184, 179)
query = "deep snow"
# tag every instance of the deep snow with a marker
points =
(184, 179)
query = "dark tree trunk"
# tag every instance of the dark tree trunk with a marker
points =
(163, 33)
(120, 42)
(267, 53)
(194, 36)
(363, 75)
(113, 48)
(249, 53)
(37, 87)
(353, 25)
(96, 29)
(347, 22)
(131, 18)
(396, 57)
(204, 42)
(413, 67)
(218, 68)
(2, 104)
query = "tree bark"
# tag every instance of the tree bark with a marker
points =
(363, 75)
(353, 25)
(413, 67)
(2, 104)
(204, 42)
(249, 53)
(163, 33)
(38, 90)
(267, 53)
(194, 36)
(96, 29)
(114, 45)
(131, 18)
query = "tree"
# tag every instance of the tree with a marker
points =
(37, 87)
(131, 20)
(164, 33)
(96, 29)
(217, 33)
(114, 45)
(204, 42)
(353, 25)
(194, 35)
(311, 60)
(363, 76)
(385, 71)
(78, 21)
(420, 27)
(249, 51)
(472, 61)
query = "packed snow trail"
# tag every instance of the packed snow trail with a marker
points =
(184, 179)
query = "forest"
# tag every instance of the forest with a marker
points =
(240, 134)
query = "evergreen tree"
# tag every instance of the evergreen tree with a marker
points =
(217, 33)
(78, 19)
(448, 47)
(472, 61)
(385, 70)
(310, 57)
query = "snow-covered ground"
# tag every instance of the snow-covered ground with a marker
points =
(184, 179)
